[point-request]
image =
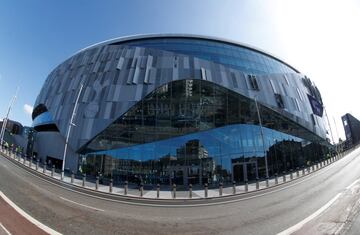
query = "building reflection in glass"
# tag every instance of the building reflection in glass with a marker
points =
(194, 131)
(222, 154)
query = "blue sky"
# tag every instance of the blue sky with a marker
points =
(320, 38)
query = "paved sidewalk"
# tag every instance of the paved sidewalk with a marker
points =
(166, 194)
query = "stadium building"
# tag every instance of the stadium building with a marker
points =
(179, 109)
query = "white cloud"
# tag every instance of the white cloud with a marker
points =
(28, 109)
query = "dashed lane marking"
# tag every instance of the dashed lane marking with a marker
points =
(348, 187)
(90, 207)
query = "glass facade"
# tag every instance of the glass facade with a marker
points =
(195, 131)
(43, 119)
(235, 56)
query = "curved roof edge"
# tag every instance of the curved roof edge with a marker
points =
(175, 35)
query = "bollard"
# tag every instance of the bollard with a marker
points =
(126, 188)
(141, 189)
(297, 172)
(190, 190)
(37, 164)
(257, 183)
(24, 160)
(303, 170)
(206, 190)
(111, 186)
(308, 169)
(234, 187)
(97, 183)
(220, 189)
(174, 191)
(44, 168)
(276, 178)
(72, 177)
(267, 182)
(313, 168)
(30, 162)
(284, 177)
(246, 186)
(291, 174)
(158, 191)
(83, 180)
(53, 171)
(62, 175)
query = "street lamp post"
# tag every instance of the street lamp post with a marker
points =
(5, 120)
(262, 136)
(71, 123)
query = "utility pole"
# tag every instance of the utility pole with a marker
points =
(331, 133)
(5, 120)
(71, 123)
(262, 136)
(337, 132)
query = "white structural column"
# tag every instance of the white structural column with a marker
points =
(71, 123)
(262, 137)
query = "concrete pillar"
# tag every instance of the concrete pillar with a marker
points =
(284, 177)
(158, 191)
(83, 180)
(111, 186)
(174, 191)
(97, 183)
(126, 188)
(141, 189)
(72, 177)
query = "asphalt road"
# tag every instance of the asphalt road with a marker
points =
(270, 212)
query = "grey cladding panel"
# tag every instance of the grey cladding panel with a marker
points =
(130, 74)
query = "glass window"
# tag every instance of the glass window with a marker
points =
(224, 53)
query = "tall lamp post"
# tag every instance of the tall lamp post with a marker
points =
(262, 136)
(331, 133)
(71, 124)
(5, 120)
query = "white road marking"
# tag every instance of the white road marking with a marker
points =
(348, 187)
(28, 217)
(6, 231)
(297, 226)
(90, 207)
